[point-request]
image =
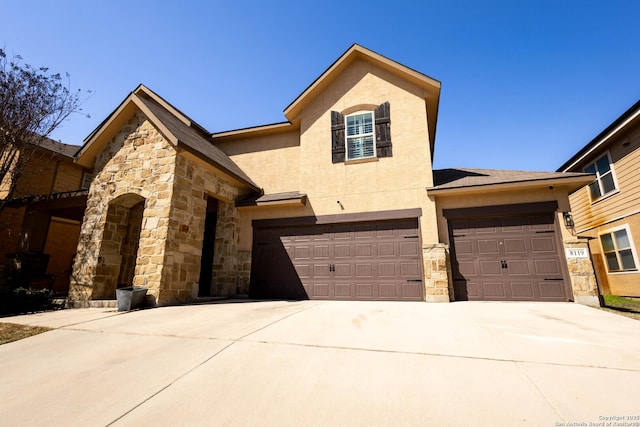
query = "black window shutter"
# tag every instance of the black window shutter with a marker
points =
(337, 137)
(383, 130)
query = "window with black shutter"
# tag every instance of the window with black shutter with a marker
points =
(361, 135)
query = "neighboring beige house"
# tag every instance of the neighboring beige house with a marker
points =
(338, 202)
(39, 226)
(607, 211)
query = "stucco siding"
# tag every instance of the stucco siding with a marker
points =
(272, 161)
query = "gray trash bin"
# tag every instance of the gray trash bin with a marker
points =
(130, 297)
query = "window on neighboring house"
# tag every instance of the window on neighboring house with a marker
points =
(618, 250)
(361, 135)
(86, 180)
(604, 183)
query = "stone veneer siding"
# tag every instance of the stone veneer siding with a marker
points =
(582, 276)
(436, 272)
(139, 164)
(194, 182)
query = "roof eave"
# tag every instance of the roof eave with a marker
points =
(254, 131)
(572, 184)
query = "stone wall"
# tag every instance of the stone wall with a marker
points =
(582, 275)
(244, 272)
(138, 162)
(437, 271)
(195, 181)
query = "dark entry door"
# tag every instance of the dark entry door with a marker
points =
(510, 258)
(378, 260)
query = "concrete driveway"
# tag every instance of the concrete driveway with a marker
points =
(325, 363)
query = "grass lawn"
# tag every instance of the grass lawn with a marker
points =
(628, 307)
(12, 332)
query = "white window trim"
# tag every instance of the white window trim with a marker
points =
(346, 136)
(86, 175)
(616, 189)
(633, 249)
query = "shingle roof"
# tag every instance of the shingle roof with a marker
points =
(291, 196)
(66, 150)
(465, 178)
(193, 140)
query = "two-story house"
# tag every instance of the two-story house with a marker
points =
(40, 224)
(340, 201)
(607, 210)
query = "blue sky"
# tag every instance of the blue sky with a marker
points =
(525, 84)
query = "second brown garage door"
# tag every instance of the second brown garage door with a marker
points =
(376, 260)
(511, 258)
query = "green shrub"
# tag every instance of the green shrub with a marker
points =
(25, 300)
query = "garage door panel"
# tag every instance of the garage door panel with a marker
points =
(342, 251)
(494, 290)
(486, 226)
(343, 270)
(388, 290)
(543, 244)
(467, 268)
(344, 290)
(321, 251)
(550, 289)
(410, 270)
(363, 250)
(465, 290)
(488, 247)
(490, 267)
(320, 270)
(522, 290)
(511, 225)
(302, 252)
(373, 260)
(515, 246)
(320, 289)
(386, 249)
(547, 267)
(364, 270)
(303, 270)
(364, 290)
(408, 248)
(464, 247)
(518, 267)
(412, 290)
(387, 269)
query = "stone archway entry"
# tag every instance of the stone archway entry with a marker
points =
(120, 242)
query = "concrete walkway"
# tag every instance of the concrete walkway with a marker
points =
(325, 364)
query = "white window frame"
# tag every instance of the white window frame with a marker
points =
(599, 177)
(617, 250)
(86, 176)
(371, 134)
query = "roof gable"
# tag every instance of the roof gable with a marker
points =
(430, 86)
(175, 126)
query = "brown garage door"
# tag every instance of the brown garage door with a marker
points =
(507, 259)
(377, 260)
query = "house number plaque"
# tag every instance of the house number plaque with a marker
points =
(577, 253)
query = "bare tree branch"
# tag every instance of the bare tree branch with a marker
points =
(33, 103)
